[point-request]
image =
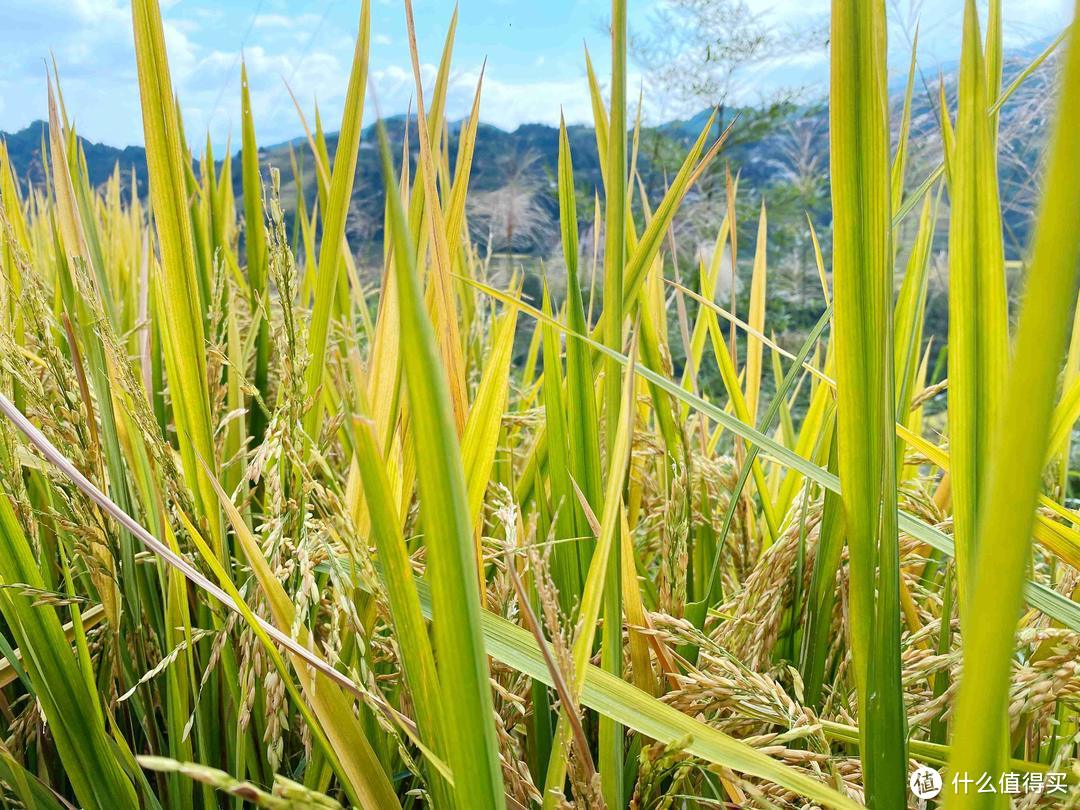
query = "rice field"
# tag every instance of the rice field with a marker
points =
(272, 537)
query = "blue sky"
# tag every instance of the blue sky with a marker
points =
(533, 49)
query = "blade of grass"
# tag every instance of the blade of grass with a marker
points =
(978, 312)
(479, 444)
(443, 306)
(418, 659)
(334, 215)
(697, 611)
(181, 302)
(255, 247)
(566, 569)
(610, 743)
(60, 686)
(756, 318)
(862, 331)
(604, 566)
(463, 667)
(1020, 436)
(899, 164)
(583, 433)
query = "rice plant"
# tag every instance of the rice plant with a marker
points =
(272, 537)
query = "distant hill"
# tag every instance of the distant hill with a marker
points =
(24, 148)
(794, 143)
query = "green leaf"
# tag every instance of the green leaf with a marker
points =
(1018, 447)
(463, 667)
(978, 312)
(180, 304)
(334, 214)
(74, 715)
(255, 247)
(862, 335)
(1036, 594)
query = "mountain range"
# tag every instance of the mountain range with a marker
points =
(782, 150)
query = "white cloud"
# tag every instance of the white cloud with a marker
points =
(92, 42)
(539, 101)
(271, 21)
(290, 22)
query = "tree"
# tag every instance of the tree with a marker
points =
(799, 189)
(696, 46)
(695, 49)
(695, 52)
